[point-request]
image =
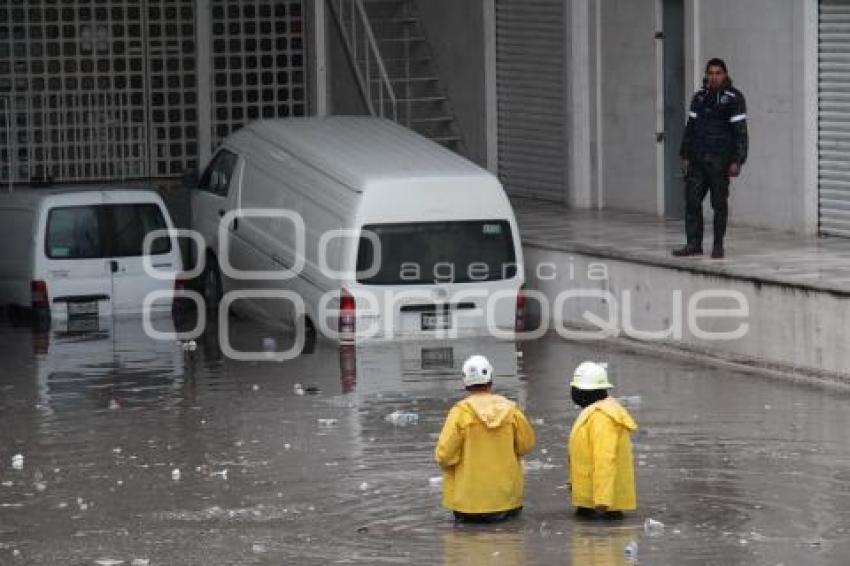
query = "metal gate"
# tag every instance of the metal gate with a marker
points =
(834, 117)
(258, 62)
(108, 89)
(531, 91)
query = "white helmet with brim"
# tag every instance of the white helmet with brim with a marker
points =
(477, 370)
(591, 376)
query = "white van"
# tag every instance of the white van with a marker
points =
(431, 236)
(78, 251)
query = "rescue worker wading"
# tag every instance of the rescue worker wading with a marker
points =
(479, 450)
(714, 149)
(602, 471)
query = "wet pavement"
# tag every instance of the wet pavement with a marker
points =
(138, 452)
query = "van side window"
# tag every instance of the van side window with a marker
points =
(218, 174)
(97, 231)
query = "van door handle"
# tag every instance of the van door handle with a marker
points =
(113, 266)
(221, 212)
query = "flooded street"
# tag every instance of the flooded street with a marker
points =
(138, 452)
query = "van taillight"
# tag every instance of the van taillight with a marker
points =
(519, 323)
(179, 283)
(38, 294)
(347, 316)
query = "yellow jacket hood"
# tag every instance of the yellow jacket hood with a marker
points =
(613, 409)
(490, 409)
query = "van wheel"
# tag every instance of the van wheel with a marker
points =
(211, 281)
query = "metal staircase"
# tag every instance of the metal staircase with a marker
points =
(395, 67)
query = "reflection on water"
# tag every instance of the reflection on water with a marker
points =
(470, 547)
(105, 361)
(601, 544)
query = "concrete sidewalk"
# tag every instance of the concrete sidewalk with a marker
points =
(795, 290)
(821, 264)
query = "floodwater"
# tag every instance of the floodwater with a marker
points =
(138, 452)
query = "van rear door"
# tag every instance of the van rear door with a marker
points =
(437, 277)
(73, 263)
(129, 223)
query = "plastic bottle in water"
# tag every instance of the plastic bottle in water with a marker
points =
(401, 418)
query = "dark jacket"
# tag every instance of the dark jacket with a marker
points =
(717, 125)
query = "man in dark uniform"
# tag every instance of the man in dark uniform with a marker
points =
(713, 150)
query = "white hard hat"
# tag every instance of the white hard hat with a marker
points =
(590, 376)
(477, 371)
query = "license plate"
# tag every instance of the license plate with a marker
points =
(437, 358)
(83, 324)
(88, 308)
(436, 321)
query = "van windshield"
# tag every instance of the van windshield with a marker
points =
(98, 231)
(437, 252)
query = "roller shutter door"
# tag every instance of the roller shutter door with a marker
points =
(531, 91)
(834, 117)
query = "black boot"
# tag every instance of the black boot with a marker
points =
(688, 250)
(594, 515)
(717, 252)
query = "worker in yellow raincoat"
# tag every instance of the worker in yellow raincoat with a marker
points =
(600, 448)
(479, 450)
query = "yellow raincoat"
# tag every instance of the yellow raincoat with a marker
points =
(600, 454)
(479, 450)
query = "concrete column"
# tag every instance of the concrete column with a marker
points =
(693, 55)
(319, 59)
(659, 107)
(579, 112)
(491, 108)
(203, 48)
(806, 136)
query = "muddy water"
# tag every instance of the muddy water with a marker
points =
(738, 468)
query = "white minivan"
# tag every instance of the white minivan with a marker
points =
(78, 250)
(380, 232)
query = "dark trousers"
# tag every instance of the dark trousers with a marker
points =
(708, 173)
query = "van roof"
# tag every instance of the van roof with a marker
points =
(358, 149)
(33, 195)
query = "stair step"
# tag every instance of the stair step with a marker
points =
(412, 39)
(432, 120)
(406, 20)
(420, 59)
(446, 139)
(409, 80)
(421, 99)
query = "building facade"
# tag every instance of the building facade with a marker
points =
(580, 102)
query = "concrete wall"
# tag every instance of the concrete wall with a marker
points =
(790, 330)
(455, 31)
(765, 43)
(628, 99)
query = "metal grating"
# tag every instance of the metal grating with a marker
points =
(172, 86)
(258, 63)
(834, 117)
(108, 89)
(71, 90)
